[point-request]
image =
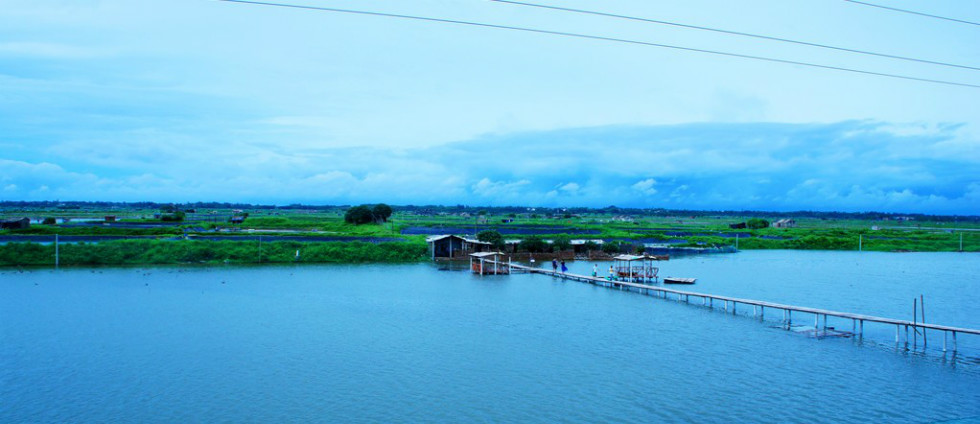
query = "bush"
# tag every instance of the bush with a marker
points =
(612, 247)
(757, 223)
(359, 215)
(562, 242)
(533, 244)
(491, 236)
(49, 221)
(381, 212)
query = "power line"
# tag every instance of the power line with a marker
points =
(743, 34)
(912, 12)
(601, 38)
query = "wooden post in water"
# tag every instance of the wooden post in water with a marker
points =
(860, 242)
(915, 329)
(57, 258)
(922, 310)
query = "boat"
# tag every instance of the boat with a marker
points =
(678, 280)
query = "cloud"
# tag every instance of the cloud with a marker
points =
(646, 186)
(848, 166)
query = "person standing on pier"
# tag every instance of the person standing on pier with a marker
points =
(564, 268)
(611, 273)
(595, 270)
(554, 265)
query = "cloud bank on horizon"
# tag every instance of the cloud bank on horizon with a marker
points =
(188, 100)
(847, 166)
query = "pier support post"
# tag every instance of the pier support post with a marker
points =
(726, 306)
(861, 328)
(734, 304)
(954, 341)
(755, 311)
(944, 341)
(762, 313)
(897, 328)
(816, 321)
(789, 320)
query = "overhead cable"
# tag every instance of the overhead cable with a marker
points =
(601, 38)
(730, 32)
(895, 9)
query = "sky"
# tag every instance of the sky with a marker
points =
(204, 100)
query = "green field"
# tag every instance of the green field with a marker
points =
(891, 233)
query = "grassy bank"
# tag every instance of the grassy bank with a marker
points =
(134, 252)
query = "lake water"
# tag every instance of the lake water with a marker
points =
(409, 343)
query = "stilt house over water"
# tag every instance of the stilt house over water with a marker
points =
(448, 246)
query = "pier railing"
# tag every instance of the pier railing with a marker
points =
(759, 307)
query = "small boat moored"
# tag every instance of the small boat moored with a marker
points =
(678, 280)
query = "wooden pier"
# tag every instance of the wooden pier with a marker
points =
(759, 307)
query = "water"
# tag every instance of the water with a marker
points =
(408, 343)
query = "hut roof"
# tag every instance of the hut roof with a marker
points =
(629, 258)
(486, 254)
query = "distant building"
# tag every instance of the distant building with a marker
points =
(450, 246)
(15, 224)
(784, 223)
(237, 219)
(110, 218)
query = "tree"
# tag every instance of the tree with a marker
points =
(533, 244)
(756, 223)
(493, 237)
(562, 242)
(590, 246)
(358, 215)
(49, 221)
(381, 212)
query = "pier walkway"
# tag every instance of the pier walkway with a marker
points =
(759, 307)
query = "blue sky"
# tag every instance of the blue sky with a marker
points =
(190, 100)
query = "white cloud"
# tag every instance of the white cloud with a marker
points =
(646, 186)
(570, 188)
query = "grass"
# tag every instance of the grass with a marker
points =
(810, 234)
(124, 252)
